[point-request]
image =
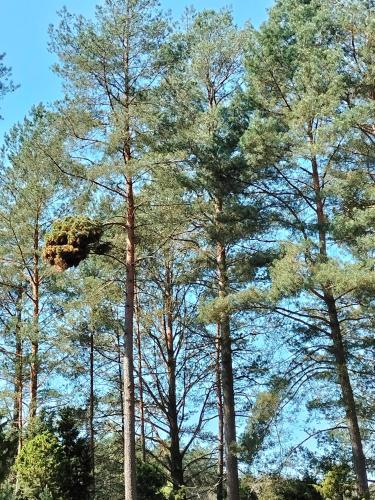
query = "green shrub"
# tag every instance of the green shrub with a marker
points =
(39, 467)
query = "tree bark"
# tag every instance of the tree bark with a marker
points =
(91, 416)
(177, 472)
(120, 382)
(229, 415)
(220, 436)
(128, 370)
(128, 363)
(18, 375)
(359, 459)
(140, 381)
(34, 363)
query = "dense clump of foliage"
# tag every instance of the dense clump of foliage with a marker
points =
(276, 487)
(8, 450)
(39, 466)
(338, 482)
(70, 241)
(76, 479)
(150, 481)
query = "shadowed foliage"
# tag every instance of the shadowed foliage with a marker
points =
(70, 241)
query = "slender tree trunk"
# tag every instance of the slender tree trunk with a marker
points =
(121, 391)
(128, 364)
(120, 382)
(177, 472)
(220, 437)
(140, 382)
(359, 460)
(34, 363)
(18, 376)
(227, 378)
(128, 370)
(91, 415)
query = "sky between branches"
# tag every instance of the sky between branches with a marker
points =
(24, 39)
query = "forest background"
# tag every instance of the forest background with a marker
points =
(187, 248)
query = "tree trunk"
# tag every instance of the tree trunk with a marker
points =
(120, 382)
(128, 371)
(91, 415)
(227, 380)
(18, 375)
(177, 472)
(220, 437)
(140, 382)
(34, 363)
(359, 460)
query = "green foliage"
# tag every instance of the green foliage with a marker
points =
(6, 85)
(39, 465)
(259, 425)
(7, 491)
(150, 481)
(76, 476)
(279, 488)
(246, 488)
(337, 483)
(109, 467)
(70, 241)
(8, 450)
(46, 494)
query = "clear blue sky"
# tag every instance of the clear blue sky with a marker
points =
(24, 38)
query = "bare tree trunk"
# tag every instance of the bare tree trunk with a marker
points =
(177, 472)
(229, 415)
(128, 363)
(140, 381)
(120, 381)
(34, 363)
(220, 436)
(128, 371)
(359, 460)
(18, 376)
(91, 415)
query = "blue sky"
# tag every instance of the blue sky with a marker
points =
(24, 39)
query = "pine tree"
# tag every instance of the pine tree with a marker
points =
(29, 198)
(204, 110)
(300, 80)
(109, 67)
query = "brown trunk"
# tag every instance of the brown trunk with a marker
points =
(227, 377)
(140, 383)
(18, 375)
(91, 416)
(120, 382)
(128, 370)
(177, 472)
(220, 436)
(128, 363)
(34, 364)
(359, 460)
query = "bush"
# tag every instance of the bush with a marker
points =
(279, 488)
(39, 467)
(150, 481)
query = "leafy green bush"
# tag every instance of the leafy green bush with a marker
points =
(150, 481)
(39, 467)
